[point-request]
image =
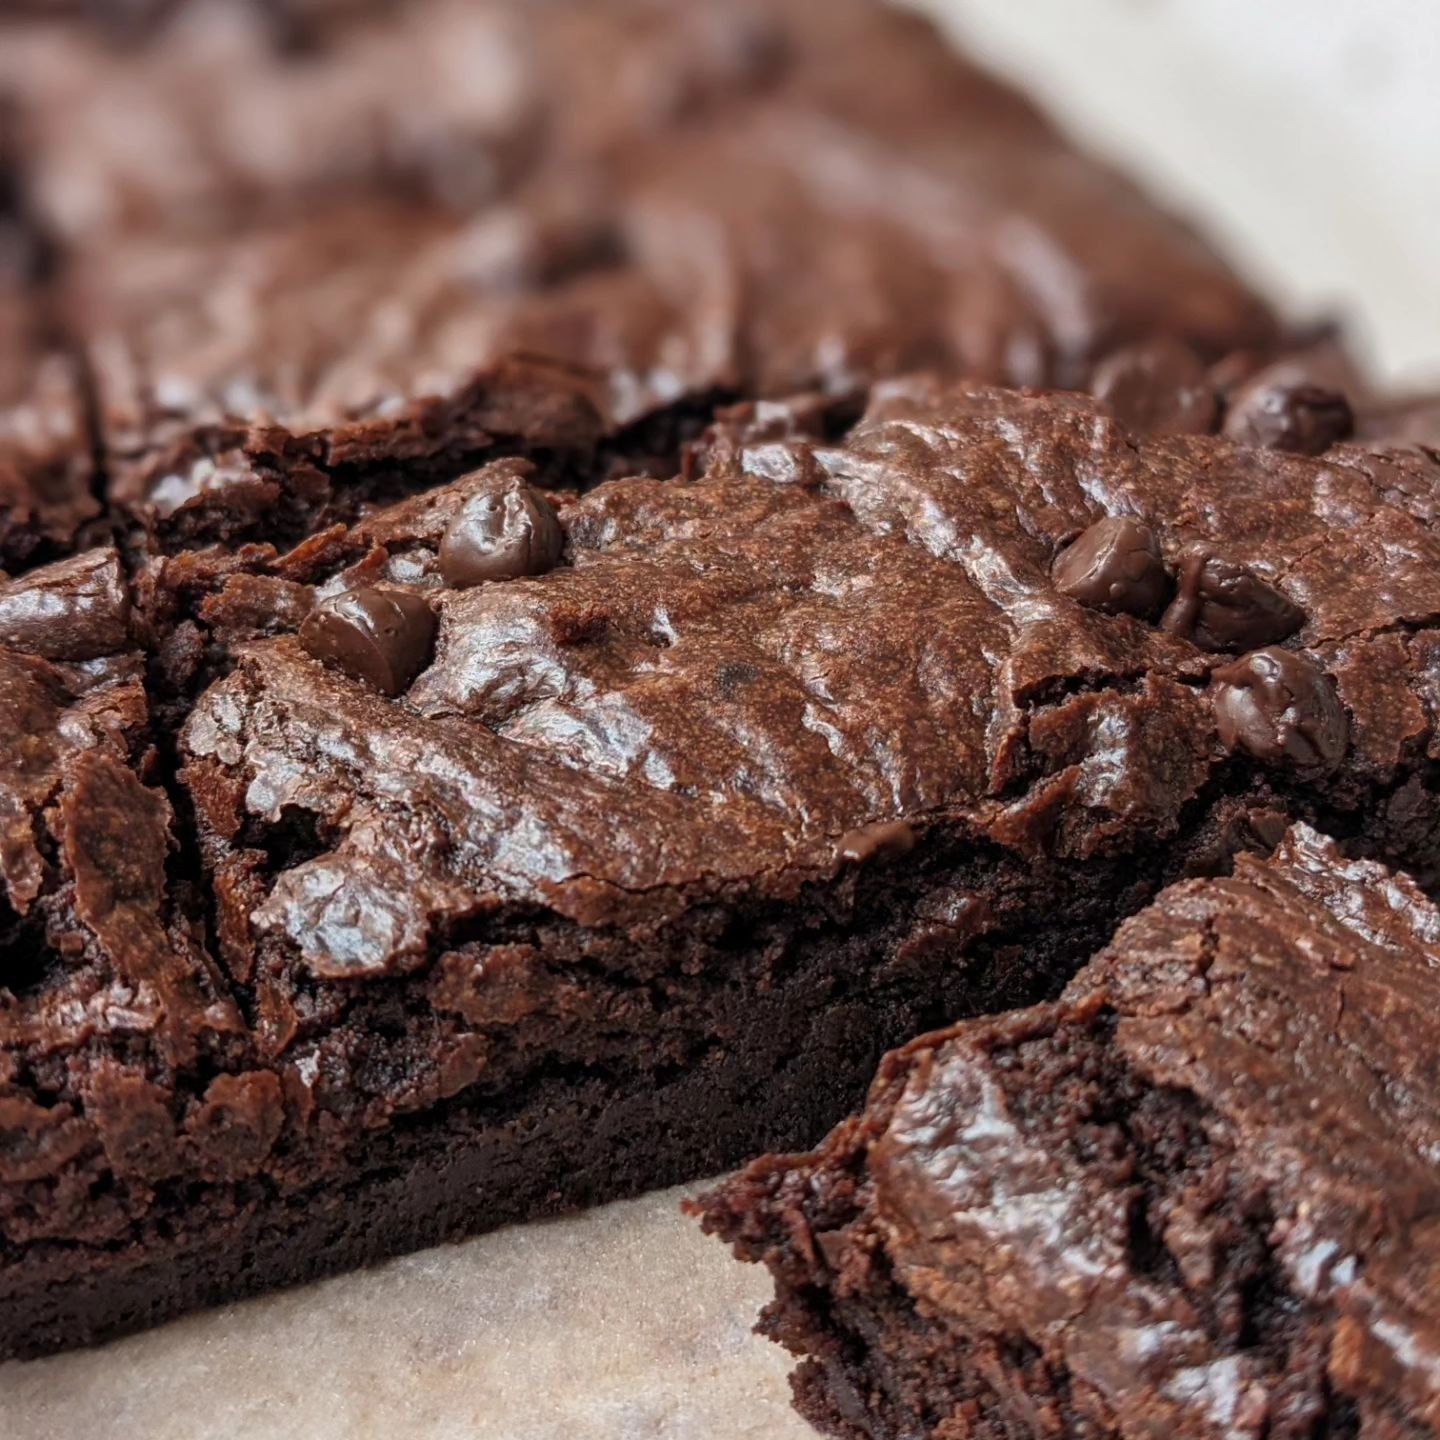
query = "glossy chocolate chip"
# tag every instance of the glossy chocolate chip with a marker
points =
(1279, 707)
(499, 534)
(384, 637)
(1221, 605)
(1297, 416)
(1115, 565)
(1160, 387)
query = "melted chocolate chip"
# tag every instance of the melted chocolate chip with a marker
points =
(1278, 706)
(885, 838)
(1220, 605)
(499, 534)
(382, 636)
(1115, 565)
(1159, 388)
(1297, 416)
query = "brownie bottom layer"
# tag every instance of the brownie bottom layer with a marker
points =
(570, 1142)
(578, 1135)
(777, 1057)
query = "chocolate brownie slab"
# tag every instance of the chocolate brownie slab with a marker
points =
(555, 846)
(684, 203)
(1195, 1197)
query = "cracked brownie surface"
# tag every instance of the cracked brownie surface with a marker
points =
(527, 823)
(1195, 1196)
(509, 706)
(287, 270)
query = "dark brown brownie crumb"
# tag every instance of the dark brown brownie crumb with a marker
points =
(1192, 1198)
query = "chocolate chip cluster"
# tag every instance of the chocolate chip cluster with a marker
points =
(1273, 704)
(385, 635)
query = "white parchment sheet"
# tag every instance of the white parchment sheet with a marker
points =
(624, 1324)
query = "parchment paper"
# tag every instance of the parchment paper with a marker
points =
(623, 1324)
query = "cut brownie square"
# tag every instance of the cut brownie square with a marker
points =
(1195, 1197)
(558, 845)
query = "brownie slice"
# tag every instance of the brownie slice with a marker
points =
(559, 845)
(307, 286)
(1195, 1197)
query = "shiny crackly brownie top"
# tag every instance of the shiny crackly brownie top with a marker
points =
(287, 259)
(982, 607)
(1204, 1184)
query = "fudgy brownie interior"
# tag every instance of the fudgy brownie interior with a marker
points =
(1196, 1196)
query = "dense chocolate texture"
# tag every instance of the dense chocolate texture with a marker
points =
(780, 766)
(1195, 1197)
(362, 892)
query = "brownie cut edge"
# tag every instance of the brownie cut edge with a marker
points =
(1196, 1196)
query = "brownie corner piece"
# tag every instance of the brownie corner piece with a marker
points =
(1195, 1196)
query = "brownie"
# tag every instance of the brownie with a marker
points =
(535, 713)
(543, 846)
(47, 494)
(307, 285)
(1193, 1197)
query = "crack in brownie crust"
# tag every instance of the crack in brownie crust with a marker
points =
(1196, 1197)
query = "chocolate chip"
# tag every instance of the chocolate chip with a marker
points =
(1221, 605)
(1160, 387)
(382, 636)
(1297, 416)
(1279, 706)
(885, 838)
(499, 534)
(1115, 565)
